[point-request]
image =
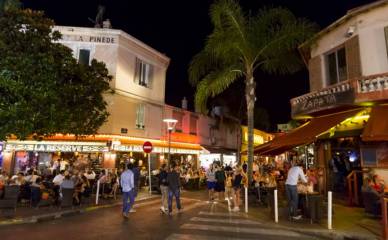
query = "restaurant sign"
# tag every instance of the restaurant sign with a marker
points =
(55, 147)
(321, 102)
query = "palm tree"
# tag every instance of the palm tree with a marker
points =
(242, 44)
(6, 5)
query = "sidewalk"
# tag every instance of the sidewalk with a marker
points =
(348, 223)
(27, 214)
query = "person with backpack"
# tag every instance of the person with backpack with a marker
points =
(163, 188)
(220, 183)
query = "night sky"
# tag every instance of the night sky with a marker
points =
(178, 29)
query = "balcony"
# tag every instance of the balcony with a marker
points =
(339, 95)
(372, 88)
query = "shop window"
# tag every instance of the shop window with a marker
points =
(84, 56)
(143, 73)
(140, 119)
(336, 66)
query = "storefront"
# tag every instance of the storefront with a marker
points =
(41, 155)
(1, 155)
(221, 159)
(259, 138)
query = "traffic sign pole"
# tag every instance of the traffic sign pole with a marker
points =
(147, 148)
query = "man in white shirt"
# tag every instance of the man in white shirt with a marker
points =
(293, 176)
(59, 178)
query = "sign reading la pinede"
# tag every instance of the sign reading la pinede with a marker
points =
(87, 38)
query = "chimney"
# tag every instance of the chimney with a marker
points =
(184, 103)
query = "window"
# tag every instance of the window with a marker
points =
(386, 38)
(193, 125)
(140, 119)
(143, 73)
(336, 66)
(179, 117)
(84, 56)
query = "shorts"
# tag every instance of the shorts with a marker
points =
(220, 187)
(211, 185)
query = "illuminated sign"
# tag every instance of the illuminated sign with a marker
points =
(139, 148)
(55, 147)
(257, 139)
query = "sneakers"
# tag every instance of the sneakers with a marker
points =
(125, 215)
(236, 209)
(132, 210)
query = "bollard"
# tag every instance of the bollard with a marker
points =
(149, 172)
(275, 196)
(246, 199)
(97, 191)
(329, 210)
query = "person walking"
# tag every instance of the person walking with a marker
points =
(294, 173)
(173, 179)
(237, 182)
(211, 182)
(163, 188)
(136, 181)
(220, 183)
(127, 185)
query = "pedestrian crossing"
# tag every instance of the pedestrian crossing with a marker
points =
(217, 223)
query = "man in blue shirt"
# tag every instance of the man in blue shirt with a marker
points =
(127, 185)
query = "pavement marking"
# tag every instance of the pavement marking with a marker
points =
(231, 229)
(176, 236)
(188, 208)
(222, 220)
(220, 214)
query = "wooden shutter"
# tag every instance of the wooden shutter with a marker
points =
(315, 73)
(352, 48)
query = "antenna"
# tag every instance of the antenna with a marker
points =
(98, 22)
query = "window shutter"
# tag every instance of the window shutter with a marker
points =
(137, 71)
(353, 60)
(386, 38)
(315, 73)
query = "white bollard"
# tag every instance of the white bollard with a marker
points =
(97, 191)
(329, 210)
(246, 199)
(275, 196)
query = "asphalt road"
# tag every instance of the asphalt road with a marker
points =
(199, 220)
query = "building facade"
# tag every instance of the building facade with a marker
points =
(137, 109)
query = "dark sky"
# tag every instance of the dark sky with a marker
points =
(178, 29)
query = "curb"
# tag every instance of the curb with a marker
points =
(65, 213)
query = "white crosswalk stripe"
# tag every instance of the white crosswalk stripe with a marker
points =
(231, 229)
(231, 221)
(219, 224)
(178, 236)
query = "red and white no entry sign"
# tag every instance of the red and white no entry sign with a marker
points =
(147, 147)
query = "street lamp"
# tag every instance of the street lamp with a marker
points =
(170, 126)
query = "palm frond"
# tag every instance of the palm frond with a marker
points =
(213, 84)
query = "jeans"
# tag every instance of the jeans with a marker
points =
(292, 197)
(164, 191)
(128, 196)
(171, 194)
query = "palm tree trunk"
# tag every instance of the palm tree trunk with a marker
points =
(250, 87)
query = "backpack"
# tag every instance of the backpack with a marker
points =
(220, 176)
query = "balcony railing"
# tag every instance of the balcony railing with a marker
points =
(373, 83)
(339, 94)
(340, 87)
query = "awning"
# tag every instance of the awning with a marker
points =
(376, 128)
(307, 133)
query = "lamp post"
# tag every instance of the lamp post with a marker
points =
(170, 126)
